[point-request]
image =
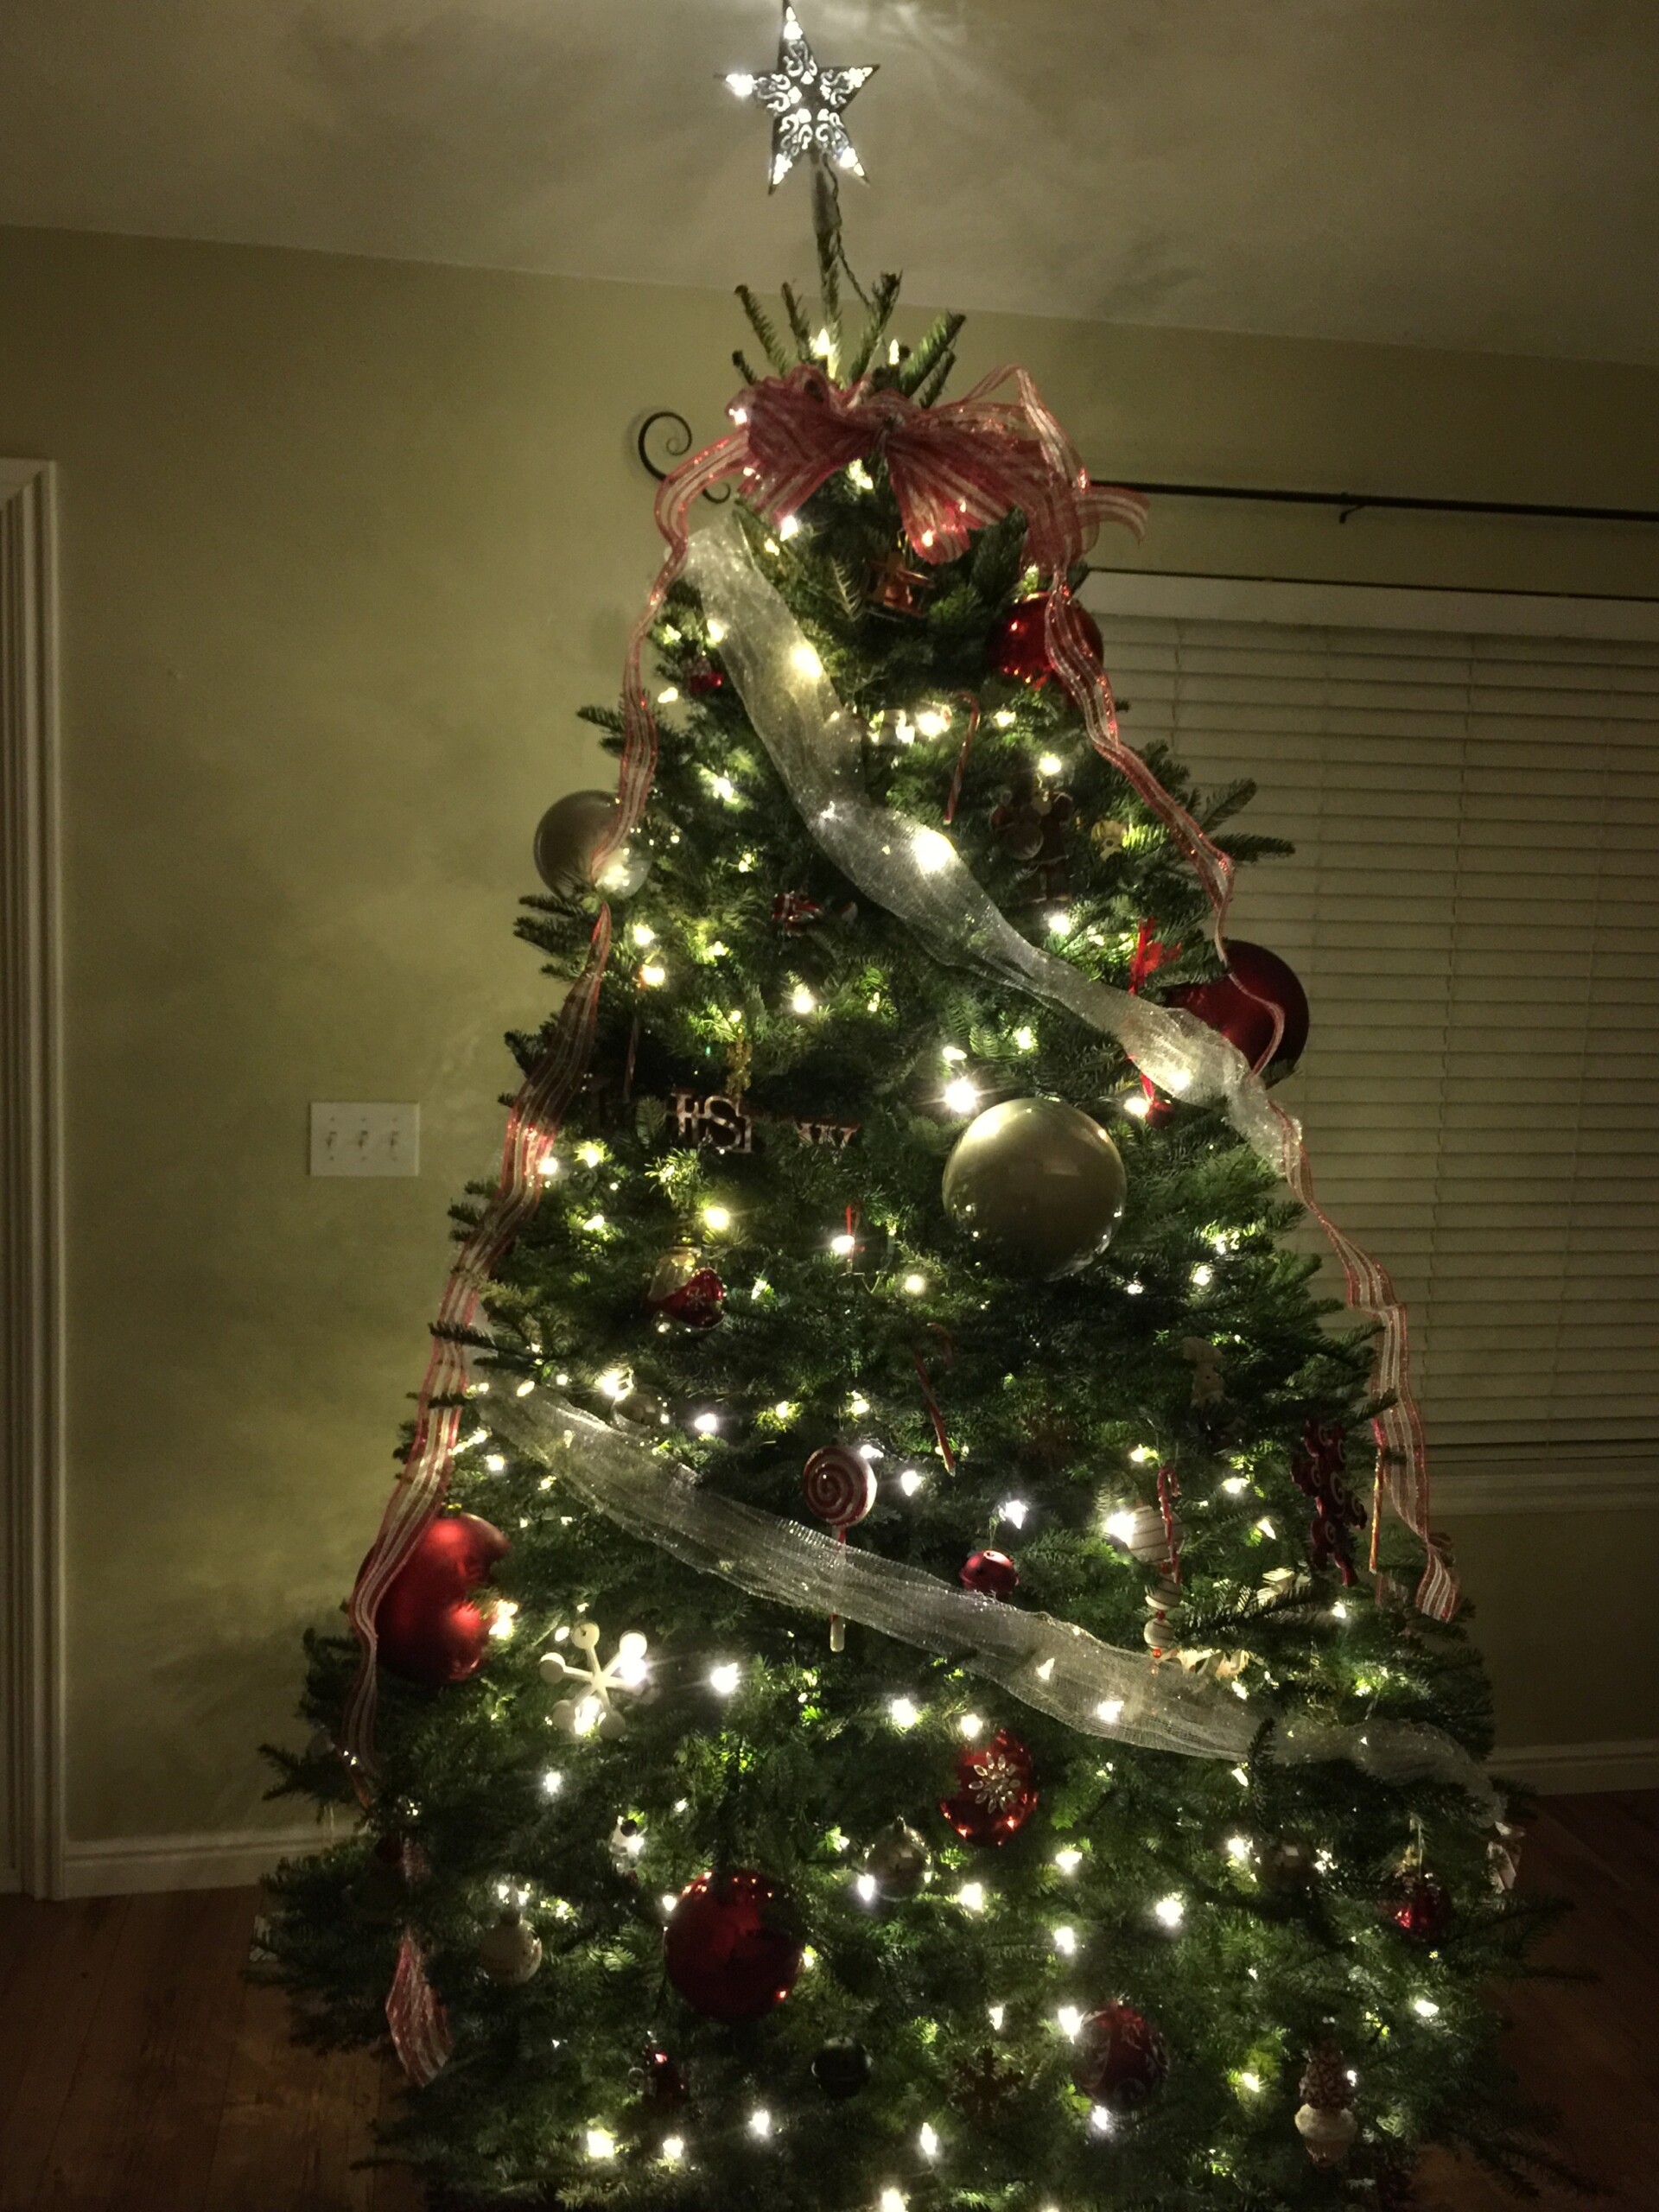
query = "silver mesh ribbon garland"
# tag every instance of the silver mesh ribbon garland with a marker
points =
(1050, 1665)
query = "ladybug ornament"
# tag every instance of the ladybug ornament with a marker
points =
(428, 1630)
(996, 1795)
(1122, 2058)
(682, 1289)
(730, 1949)
(1018, 645)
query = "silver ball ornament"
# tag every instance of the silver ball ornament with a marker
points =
(510, 1953)
(566, 838)
(1037, 1183)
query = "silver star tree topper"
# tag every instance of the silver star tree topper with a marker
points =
(806, 103)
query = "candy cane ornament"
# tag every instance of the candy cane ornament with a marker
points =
(839, 1488)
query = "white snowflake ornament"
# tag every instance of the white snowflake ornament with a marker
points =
(595, 1709)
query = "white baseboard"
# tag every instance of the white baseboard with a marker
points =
(1560, 1770)
(118, 1865)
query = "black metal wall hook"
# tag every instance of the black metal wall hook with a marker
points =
(675, 443)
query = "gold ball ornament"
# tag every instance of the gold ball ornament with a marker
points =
(897, 1861)
(1037, 1184)
(510, 1953)
(567, 837)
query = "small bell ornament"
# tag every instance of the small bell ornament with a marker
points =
(992, 1574)
(511, 1953)
(1324, 2118)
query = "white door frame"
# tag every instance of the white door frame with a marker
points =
(31, 1190)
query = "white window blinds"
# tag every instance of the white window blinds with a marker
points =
(1474, 909)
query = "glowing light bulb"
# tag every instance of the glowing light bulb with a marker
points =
(653, 975)
(1025, 1039)
(932, 851)
(723, 788)
(1265, 1528)
(997, 2014)
(1014, 1511)
(927, 2141)
(804, 660)
(903, 1713)
(932, 723)
(971, 1897)
(1133, 1290)
(743, 87)
(1100, 2120)
(1234, 1484)
(891, 2200)
(1070, 2021)
(549, 1166)
(1137, 1105)
(1065, 1942)
(970, 1725)
(915, 1285)
(1203, 1275)
(601, 2143)
(496, 1462)
(1059, 922)
(505, 1620)
(844, 1244)
(857, 1406)
(706, 1424)
(1110, 1710)
(1425, 2008)
(1049, 765)
(1142, 1455)
(724, 1678)
(761, 2123)
(673, 2149)
(962, 1096)
(789, 527)
(911, 1481)
(552, 1782)
(1068, 1861)
(615, 1383)
(1239, 1849)
(667, 695)
(1250, 2081)
(1004, 718)
(802, 1000)
(865, 1884)
(783, 1410)
(718, 1218)
(1170, 1910)
(716, 629)
(1121, 1525)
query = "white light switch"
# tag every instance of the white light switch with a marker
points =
(365, 1140)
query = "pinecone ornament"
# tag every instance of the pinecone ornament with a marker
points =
(1324, 2118)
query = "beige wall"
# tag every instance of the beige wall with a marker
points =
(344, 545)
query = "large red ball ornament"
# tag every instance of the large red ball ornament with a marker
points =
(995, 1795)
(1121, 2057)
(428, 1630)
(994, 1574)
(730, 1949)
(1018, 645)
(1241, 1005)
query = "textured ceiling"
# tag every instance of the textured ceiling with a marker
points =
(1476, 173)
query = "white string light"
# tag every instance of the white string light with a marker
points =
(724, 1678)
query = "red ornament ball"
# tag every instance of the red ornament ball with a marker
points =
(1121, 2057)
(1018, 645)
(682, 1290)
(994, 1574)
(1419, 1908)
(995, 1795)
(730, 1949)
(428, 1630)
(1241, 1005)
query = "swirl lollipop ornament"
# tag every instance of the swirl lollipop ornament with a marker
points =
(839, 1488)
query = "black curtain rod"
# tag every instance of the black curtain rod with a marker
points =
(1354, 503)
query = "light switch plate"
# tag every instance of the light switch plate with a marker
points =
(359, 1139)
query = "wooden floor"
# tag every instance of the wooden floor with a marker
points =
(139, 2073)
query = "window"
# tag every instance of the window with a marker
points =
(1472, 782)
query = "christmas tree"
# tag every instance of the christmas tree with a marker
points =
(899, 1705)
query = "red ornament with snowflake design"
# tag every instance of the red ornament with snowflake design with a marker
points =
(996, 1795)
